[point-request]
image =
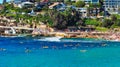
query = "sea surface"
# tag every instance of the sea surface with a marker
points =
(55, 52)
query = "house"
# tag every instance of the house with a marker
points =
(44, 0)
(27, 4)
(53, 5)
(17, 3)
(95, 11)
(40, 4)
(22, 3)
(83, 12)
(58, 6)
(91, 13)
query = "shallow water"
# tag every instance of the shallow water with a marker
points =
(75, 52)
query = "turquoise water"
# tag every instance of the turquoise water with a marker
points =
(42, 52)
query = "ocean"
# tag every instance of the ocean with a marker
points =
(53, 52)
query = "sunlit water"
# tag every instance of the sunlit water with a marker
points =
(42, 52)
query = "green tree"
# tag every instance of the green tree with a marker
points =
(80, 4)
(113, 18)
(38, 0)
(80, 23)
(69, 2)
(107, 23)
(92, 22)
(95, 5)
(117, 23)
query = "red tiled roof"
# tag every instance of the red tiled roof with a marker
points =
(45, 0)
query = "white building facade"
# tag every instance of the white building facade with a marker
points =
(112, 6)
(88, 1)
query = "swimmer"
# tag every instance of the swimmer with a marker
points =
(70, 45)
(104, 45)
(83, 51)
(65, 45)
(45, 47)
(27, 51)
(86, 46)
(21, 42)
(77, 45)
(92, 45)
(2, 49)
(74, 47)
(54, 47)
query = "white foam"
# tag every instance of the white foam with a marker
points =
(13, 36)
(84, 41)
(13, 30)
(57, 39)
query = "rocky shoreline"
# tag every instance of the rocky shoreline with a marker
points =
(115, 36)
(98, 35)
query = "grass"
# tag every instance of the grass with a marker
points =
(102, 29)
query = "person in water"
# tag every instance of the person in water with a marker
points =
(2, 49)
(27, 50)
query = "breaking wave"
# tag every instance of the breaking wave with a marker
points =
(59, 39)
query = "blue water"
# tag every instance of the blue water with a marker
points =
(75, 52)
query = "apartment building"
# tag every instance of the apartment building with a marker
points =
(112, 6)
(88, 1)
